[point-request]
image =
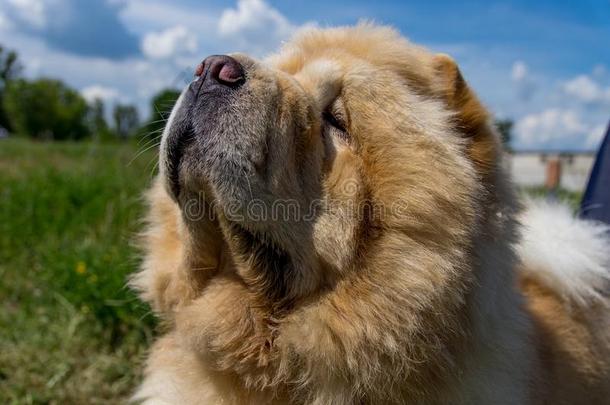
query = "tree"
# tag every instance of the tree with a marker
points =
(10, 69)
(46, 109)
(97, 120)
(126, 120)
(161, 107)
(505, 127)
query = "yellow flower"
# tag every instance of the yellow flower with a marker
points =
(81, 267)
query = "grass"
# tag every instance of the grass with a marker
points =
(570, 198)
(70, 332)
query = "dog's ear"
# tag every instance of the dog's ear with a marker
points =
(472, 118)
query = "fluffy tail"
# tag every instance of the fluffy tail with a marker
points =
(571, 256)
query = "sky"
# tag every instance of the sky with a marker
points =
(544, 64)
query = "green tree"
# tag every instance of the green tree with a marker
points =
(505, 128)
(126, 120)
(97, 121)
(46, 109)
(10, 69)
(161, 107)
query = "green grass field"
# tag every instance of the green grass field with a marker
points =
(70, 331)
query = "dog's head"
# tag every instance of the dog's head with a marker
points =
(302, 164)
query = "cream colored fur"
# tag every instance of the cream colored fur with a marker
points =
(569, 255)
(425, 303)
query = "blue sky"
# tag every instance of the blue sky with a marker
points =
(545, 64)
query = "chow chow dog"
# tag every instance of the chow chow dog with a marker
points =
(334, 225)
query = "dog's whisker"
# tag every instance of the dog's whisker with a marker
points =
(142, 152)
(148, 143)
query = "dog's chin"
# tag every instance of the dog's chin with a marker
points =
(204, 202)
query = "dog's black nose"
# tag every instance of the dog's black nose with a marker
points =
(221, 69)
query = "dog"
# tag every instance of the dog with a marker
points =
(335, 225)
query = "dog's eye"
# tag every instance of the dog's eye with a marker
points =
(335, 124)
(333, 120)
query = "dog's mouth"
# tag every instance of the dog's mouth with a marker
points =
(176, 147)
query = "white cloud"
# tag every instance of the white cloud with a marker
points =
(524, 83)
(519, 71)
(5, 23)
(96, 91)
(584, 89)
(87, 28)
(151, 15)
(568, 114)
(555, 127)
(599, 71)
(594, 139)
(255, 26)
(253, 15)
(169, 43)
(32, 12)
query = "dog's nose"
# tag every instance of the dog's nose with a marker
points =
(222, 69)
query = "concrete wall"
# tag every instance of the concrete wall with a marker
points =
(529, 168)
